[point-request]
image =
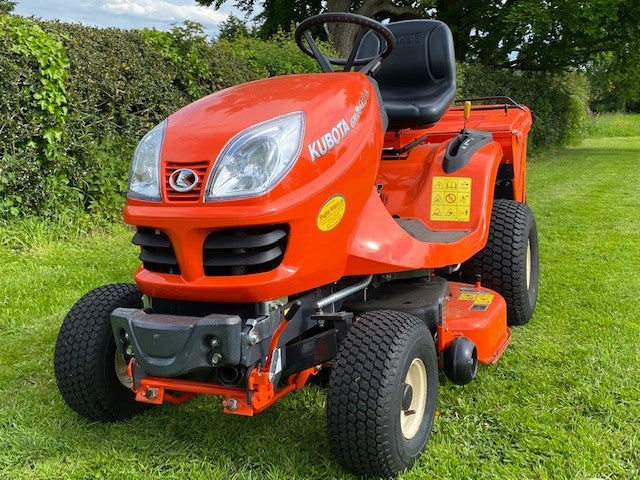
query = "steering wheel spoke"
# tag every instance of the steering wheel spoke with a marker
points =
(322, 60)
(354, 49)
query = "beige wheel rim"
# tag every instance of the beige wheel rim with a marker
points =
(528, 264)
(411, 418)
(122, 371)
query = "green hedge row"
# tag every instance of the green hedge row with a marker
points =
(74, 101)
(558, 103)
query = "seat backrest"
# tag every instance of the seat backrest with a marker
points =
(418, 80)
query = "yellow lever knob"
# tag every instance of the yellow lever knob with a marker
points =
(467, 109)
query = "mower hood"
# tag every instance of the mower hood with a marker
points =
(199, 131)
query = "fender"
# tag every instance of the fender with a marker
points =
(379, 243)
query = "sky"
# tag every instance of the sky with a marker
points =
(128, 13)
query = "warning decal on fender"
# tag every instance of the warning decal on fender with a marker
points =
(451, 199)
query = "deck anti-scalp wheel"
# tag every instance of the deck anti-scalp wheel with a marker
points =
(509, 263)
(91, 374)
(382, 393)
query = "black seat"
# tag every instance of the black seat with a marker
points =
(418, 80)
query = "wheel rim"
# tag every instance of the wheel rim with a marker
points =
(528, 264)
(411, 417)
(122, 370)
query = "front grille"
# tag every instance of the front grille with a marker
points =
(241, 251)
(156, 252)
(193, 195)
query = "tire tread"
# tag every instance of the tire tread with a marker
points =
(79, 358)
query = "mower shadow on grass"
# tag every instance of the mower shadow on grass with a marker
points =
(278, 440)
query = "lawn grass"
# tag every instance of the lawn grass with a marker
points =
(562, 403)
(614, 125)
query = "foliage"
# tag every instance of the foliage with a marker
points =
(6, 6)
(186, 46)
(232, 29)
(277, 56)
(33, 83)
(31, 41)
(615, 80)
(528, 34)
(557, 103)
(275, 15)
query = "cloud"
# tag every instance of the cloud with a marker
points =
(164, 11)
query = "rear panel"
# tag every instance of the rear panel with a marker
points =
(509, 126)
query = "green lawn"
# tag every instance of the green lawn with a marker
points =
(563, 402)
(614, 125)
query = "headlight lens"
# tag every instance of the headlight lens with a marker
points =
(255, 160)
(144, 177)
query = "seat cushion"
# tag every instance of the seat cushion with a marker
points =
(417, 81)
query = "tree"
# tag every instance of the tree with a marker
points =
(233, 28)
(275, 15)
(523, 34)
(6, 6)
(615, 80)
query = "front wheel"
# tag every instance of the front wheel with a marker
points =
(382, 393)
(90, 373)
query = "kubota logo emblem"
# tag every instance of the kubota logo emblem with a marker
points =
(183, 180)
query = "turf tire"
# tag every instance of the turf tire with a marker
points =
(365, 393)
(84, 356)
(502, 263)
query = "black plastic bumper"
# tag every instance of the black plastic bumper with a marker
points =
(172, 345)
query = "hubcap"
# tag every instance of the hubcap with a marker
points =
(528, 264)
(122, 371)
(414, 399)
(407, 396)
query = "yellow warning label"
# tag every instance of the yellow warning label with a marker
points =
(451, 199)
(331, 213)
(467, 296)
(481, 300)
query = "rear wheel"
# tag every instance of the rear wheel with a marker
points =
(90, 373)
(509, 263)
(382, 393)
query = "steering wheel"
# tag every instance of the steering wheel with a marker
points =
(366, 24)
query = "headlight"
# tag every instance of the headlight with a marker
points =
(144, 177)
(255, 160)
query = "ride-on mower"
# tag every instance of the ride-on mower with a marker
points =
(359, 221)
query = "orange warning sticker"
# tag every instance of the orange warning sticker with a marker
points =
(451, 199)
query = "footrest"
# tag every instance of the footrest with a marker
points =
(418, 230)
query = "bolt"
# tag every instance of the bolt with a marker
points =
(126, 336)
(253, 337)
(216, 358)
(129, 350)
(214, 342)
(151, 393)
(230, 404)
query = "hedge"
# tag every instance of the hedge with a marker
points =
(558, 103)
(74, 100)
